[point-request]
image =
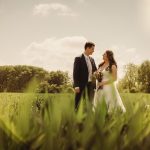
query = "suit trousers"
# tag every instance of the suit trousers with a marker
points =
(85, 92)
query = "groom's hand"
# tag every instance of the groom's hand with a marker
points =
(77, 90)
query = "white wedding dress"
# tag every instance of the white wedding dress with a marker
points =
(109, 93)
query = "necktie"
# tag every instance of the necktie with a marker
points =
(89, 68)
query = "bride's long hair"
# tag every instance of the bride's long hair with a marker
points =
(111, 59)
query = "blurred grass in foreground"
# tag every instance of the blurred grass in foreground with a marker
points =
(48, 122)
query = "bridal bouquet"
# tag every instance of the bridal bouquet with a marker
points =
(99, 77)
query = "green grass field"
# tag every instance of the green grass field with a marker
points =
(48, 122)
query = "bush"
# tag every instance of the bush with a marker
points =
(133, 90)
(53, 88)
(69, 90)
(43, 87)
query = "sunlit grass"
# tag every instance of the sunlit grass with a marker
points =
(48, 122)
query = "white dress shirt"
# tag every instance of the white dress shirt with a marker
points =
(89, 65)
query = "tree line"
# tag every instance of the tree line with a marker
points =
(136, 79)
(19, 78)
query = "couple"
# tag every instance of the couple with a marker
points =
(106, 74)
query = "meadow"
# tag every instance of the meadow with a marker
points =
(48, 122)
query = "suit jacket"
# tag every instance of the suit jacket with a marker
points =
(80, 71)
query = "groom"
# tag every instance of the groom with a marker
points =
(84, 67)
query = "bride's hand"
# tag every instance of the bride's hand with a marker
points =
(95, 73)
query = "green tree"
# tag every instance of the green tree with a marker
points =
(144, 76)
(130, 80)
(16, 78)
(55, 82)
(58, 78)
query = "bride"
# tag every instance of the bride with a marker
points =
(106, 88)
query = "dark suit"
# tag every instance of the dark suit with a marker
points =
(80, 77)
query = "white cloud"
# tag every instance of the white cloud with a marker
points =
(58, 54)
(58, 8)
(41, 9)
(53, 53)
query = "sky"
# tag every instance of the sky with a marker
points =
(51, 33)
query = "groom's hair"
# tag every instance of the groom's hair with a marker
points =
(88, 45)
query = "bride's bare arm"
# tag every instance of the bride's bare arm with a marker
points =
(114, 73)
